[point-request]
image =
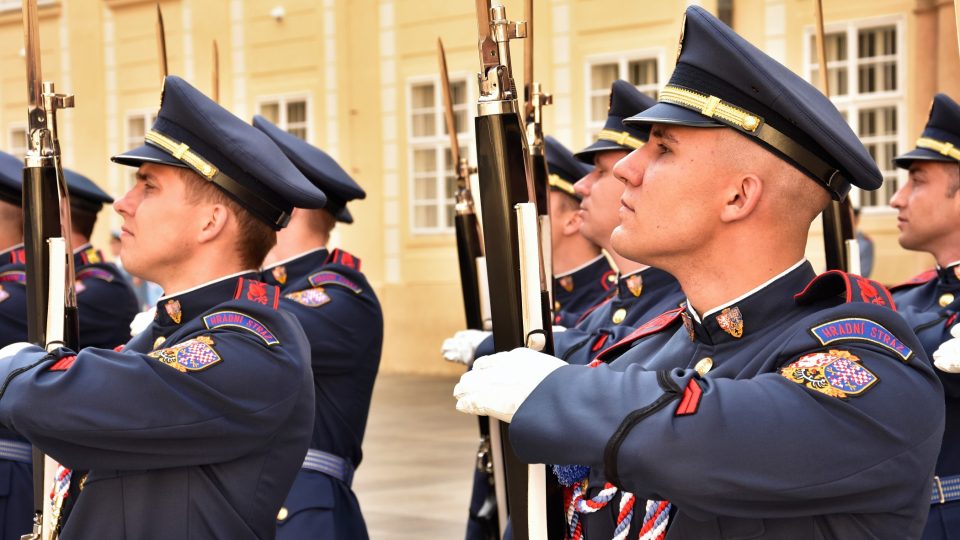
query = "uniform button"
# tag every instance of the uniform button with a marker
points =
(619, 315)
(556, 306)
(703, 366)
(945, 299)
(282, 514)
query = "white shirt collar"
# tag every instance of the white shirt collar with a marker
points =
(581, 267)
(202, 285)
(297, 256)
(696, 317)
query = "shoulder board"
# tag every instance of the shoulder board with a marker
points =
(236, 319)
(850, 287)
(94, 272)
(257, 291)
(327, 277)
(657, 324)
(341, 257)
(919, 279)
(91, 256)
(17, 276)
(17, 256)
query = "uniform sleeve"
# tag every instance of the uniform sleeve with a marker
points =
(214, 398)
(760, 447)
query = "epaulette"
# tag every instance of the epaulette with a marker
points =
(850, 287)
(257, 291)
(327, 278)
(341, 257)
(91, 256)
(95, 273)
(16, 276)
(657, 324)
(919, 279)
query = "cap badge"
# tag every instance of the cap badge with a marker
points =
(172, 308)
(731, 322)
(280, 274)
(635, 284)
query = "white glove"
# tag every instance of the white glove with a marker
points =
(142, 320)
(13, 348)
(557, 329)
(947, 356)
(463, 345)
(498, 384)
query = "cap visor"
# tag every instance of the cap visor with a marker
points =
(588, 154)
(147, 154)
(666, 113)
(920, 154)
(344, 215)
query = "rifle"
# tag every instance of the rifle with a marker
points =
(511, 239)
(470, 254)
(161, 45)
(52, 320)
(839, 239)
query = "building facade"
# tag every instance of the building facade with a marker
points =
(359, 79)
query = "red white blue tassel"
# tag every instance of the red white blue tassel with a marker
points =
(655, 521)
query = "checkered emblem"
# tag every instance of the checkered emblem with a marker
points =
(191, 355)
(314, 297)
(835, 373)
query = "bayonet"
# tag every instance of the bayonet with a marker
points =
(161, 45)
(51, 298)
(215, 86)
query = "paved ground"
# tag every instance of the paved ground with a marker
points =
(414, 482)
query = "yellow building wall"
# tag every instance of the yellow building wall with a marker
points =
(353, 61)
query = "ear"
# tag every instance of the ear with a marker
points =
(571, 222)
(743, 196)
(216, 217)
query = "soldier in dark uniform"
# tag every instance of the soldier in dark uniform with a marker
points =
(928, 208)
(581, 274)
(106, 300)
(340, 312)
(16, 502)
(198, 426)
(786, 406)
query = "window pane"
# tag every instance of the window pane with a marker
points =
(424, 124)
(135, 128)
(451, 187)
(425, 216)
(460, 119)
(458, 92)
(299, 132)
(598, 107)
(877, 41)
(422, 96)
(424, 160)
(425, 188)
(450, 216)
(270, 111)
(642, 72)
(296, 112)
(602, 76)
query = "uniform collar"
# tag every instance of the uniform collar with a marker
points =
(292, 268)
(948, 277)
(13, 255)
(753, 311)
(585, 274)
(634, 284)
(87, 254)
(176, 309)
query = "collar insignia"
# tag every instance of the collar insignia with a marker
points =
(280, 274)
(731, 321)
(956, 271)
(567, 283)
(3, 294)
(635, 284)
(687, 323)
(173, 310)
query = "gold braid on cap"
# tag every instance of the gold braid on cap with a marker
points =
(556, 182)
(623, 138)
(945, 148)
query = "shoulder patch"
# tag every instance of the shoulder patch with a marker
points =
(919, 279)
(327, 277)
(94, 273)
(16, 276)
(834, 373)
(235, 319)
(257, 291)
(314, 297)
(851, 287)
(195, 354)
(654, 325)
(860, 329)
(341, 257)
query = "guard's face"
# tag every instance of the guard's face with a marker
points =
(670, 204)
(563, 216)
(158, 223)
(601, 193)
(928, 207)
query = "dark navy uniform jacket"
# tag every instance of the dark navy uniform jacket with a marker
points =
(930, 302)
(195, 429)
(16, 477)
(640, 296)
(341, 315)
(575, 292)
(105, 300)
(821, 420)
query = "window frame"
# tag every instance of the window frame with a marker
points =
(440, 142)
(149, 116)
(622, 59)
(12, 147)
(854, 102)
(282, 101)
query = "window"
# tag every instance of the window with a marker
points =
(641, 70)
(17, 141)
(289, 113)
(138, 123)
(432, 174)
(865, 67)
